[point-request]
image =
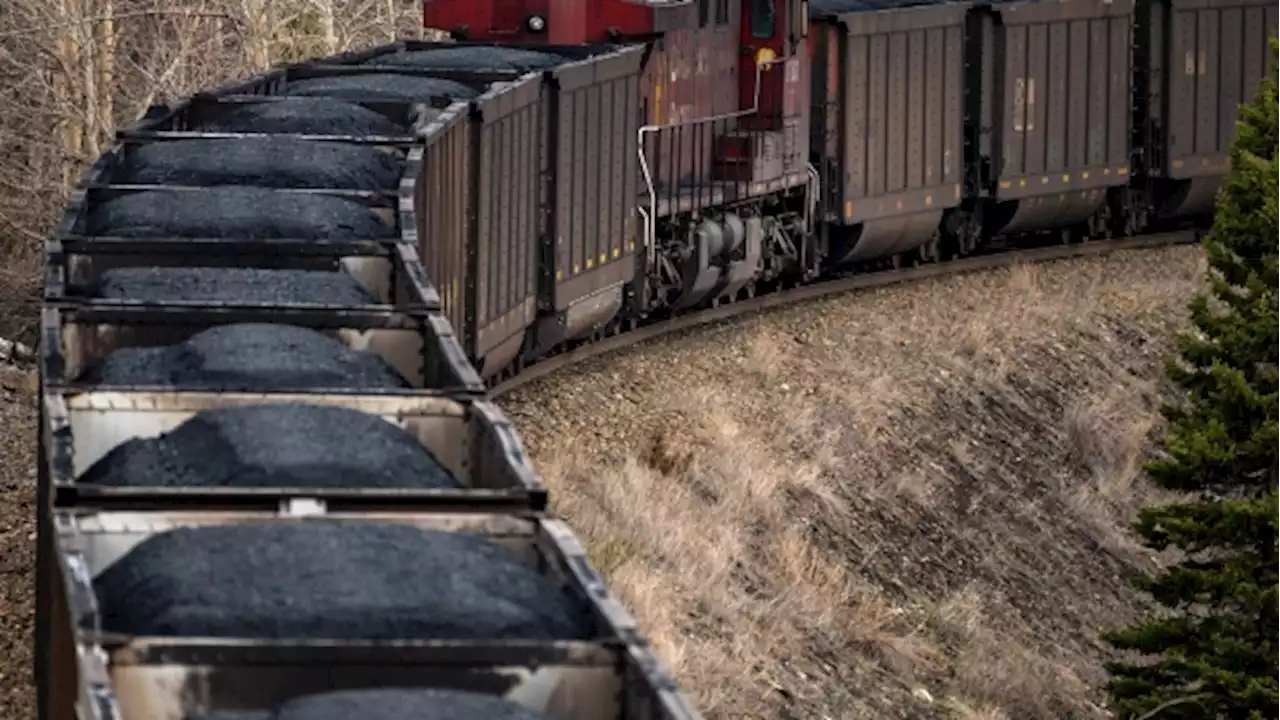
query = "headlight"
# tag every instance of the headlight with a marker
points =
(536, 23)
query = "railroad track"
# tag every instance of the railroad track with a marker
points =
(864, 281)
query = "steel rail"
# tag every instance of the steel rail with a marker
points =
(644, 333)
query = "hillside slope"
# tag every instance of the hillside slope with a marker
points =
(902, 503)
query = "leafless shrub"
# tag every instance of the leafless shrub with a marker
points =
(76, 70)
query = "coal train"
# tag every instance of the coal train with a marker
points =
(272, 482)
(735, 147)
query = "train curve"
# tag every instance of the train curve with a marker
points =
(277, 313)
(854, 283)
(261, 443)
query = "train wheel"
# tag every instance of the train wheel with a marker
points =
(1100, 224)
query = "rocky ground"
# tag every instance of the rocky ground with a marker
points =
(907, 502)
(17, 541)
(903, 503)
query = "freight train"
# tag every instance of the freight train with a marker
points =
(272, 482)
(739, 146)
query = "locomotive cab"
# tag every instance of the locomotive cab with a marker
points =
(770, 141)
(773, 33)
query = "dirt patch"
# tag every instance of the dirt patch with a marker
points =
(17, 541)
(20, 279)
(903, 503)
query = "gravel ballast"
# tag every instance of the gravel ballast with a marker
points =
(279, 445)
(306, 116)
(380, 87)
(388, 704)
(327, 579)
(248, 356)
(240, 213)
(269, 162)
(243, 285)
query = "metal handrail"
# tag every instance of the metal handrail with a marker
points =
(814, 193)
(650, 213)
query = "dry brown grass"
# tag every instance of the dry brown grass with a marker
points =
(909, 502)
(77, 71)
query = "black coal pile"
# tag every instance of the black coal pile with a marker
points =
(305, 116)
(388, 704)
(330, 579)
(383, 87)
(268, 162)
(472, 58)
(244, 285)
(248, 356)
(277, 445)
(242, 213)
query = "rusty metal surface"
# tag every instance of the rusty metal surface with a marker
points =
(691, 74)
(1059, 67)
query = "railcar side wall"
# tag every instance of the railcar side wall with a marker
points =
(896, 81)
(480, 209)
(596, 110)
(442, 203)
(510, 160)
(1059, 89)
(1198, 61)
(1217, 55)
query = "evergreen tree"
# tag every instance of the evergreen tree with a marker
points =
(1212, 651)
